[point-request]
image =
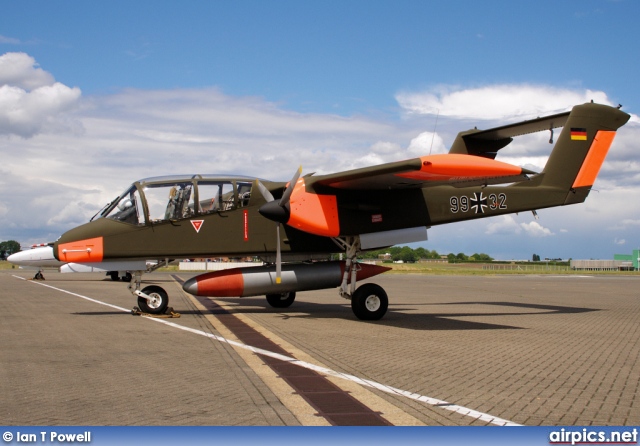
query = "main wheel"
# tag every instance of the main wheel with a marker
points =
(282, 300)
(369, 302)
(114, 275)
(158, 303)
(127, 277)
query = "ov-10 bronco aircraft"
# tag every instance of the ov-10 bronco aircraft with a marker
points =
(199, 216)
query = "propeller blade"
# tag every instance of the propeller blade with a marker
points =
(289, 190)
(265, 192)
(278, 212)
(278, 257)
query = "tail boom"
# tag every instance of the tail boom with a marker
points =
(567, 178)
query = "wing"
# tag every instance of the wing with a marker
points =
(486, 143)
(566, 179)
(470, 162)
(453, 169)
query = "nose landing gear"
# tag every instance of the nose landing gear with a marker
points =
(151, 299)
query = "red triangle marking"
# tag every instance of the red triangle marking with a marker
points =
(197, 224)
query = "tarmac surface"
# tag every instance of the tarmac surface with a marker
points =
(452, 350)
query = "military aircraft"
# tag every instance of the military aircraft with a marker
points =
(40, 257)
(200, 216)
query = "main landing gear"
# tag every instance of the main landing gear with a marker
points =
(369, 302)
(282, 300)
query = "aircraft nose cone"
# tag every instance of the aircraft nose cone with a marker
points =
(273, 211)
(42, 256)
(191, 286)
(16, 258)
(23, 258)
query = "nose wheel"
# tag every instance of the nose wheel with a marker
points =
(157, 300)
(151, 299)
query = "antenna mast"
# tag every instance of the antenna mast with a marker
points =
(433, 135)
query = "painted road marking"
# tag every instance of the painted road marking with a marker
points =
(363, 382)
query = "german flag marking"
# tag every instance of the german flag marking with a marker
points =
(578, 134)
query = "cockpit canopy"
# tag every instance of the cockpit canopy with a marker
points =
(154, 200)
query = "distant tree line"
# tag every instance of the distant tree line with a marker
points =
(409, 255)
(7, 248)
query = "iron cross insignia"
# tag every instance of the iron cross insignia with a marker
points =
(479, 202)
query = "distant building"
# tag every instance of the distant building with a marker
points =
(630, 260)
(620, 262)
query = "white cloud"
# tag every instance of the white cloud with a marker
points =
(426, 143)
(9, 40)
(384, 147)
(21, 70)
(30, 99)
(626, 223)
(501, 102)
(44, 205)
(56, 180)
(535, 229)
(505, 224)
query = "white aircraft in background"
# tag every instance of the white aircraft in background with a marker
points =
(40, 257)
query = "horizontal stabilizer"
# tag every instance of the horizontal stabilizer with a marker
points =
(521, 128)
(486, 143)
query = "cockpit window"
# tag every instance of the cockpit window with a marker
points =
(216, 196)
(175, 199)
(169, 201)
(128, 208)
(213, 197)
(244, 193)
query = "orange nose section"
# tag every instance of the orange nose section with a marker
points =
(82, 251)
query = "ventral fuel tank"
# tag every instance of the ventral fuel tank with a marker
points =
(261, 280)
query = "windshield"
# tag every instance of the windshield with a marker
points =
(128, 209)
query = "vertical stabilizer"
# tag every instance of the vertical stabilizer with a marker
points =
(581, 149)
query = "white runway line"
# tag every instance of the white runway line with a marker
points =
(363, 382)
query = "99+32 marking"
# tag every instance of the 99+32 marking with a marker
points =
(478, 202)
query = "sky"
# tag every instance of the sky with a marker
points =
(95, 95)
